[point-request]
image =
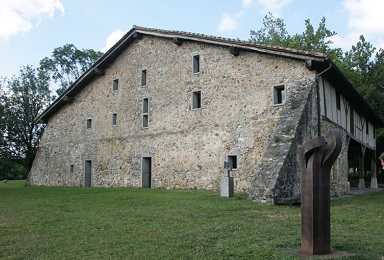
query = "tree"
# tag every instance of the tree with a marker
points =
(377, 70)
(10, 170)
(274, 32)
(22, 99)
(357, 63)
(319, 41)
(67, 64)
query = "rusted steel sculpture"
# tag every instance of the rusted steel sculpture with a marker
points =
(317, 158)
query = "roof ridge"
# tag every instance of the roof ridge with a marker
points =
(247, 43)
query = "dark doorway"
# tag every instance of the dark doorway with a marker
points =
(146, 171)
(88, 174)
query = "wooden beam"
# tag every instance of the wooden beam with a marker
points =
(309, 65)
(234, 50)
(68, 99)
(137, 35)
(177, 41)
(98, 71)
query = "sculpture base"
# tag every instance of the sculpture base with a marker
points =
(361, 184)
(226, 185)
(374, 184)
(332, 255)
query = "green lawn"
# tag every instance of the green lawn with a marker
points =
(118, 223)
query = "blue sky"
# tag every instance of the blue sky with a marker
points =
(31, 29)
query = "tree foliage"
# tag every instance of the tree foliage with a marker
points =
(274, 32)
(10, 170)
(67, 64)
(22, 99)
(26, 95)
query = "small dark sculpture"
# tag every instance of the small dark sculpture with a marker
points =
(317, 158)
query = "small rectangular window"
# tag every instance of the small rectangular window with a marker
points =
(279, 95)
(338, 101)
(196, 64)
(145, 121)
(145, 105)
(71, 168)
(143, 78)
(232, 161)
(115, 85)
(196, 99)
(114, 119)
(145, 116)
(89, 123)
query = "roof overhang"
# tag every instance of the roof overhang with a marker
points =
(344, 87)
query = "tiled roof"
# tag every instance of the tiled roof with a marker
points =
(218, 40)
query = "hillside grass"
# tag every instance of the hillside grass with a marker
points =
(121, 223)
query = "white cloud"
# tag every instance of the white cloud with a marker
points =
(228, 22)
(19, 16)
(273, 6)
(344, 42)
(365, 17)
(247, 3)
(114, 37)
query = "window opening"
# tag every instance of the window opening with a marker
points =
(196, 99)
(143, 78)
(146, 172)
(88, 173)
(279, 95)
(115, 85)
(145, 113)
(232, 161)
(196, 63)
(89, 123)
(145, 105)
(71, 168)
(114, 119)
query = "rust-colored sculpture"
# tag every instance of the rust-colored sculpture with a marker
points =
(317, 158)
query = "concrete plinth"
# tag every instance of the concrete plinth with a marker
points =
(374, 184)
(347, 187)
(226, 187)
(361, 185)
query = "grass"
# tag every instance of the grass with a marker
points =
(118, 223)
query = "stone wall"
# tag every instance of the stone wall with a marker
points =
(278, 174)
(187, 146)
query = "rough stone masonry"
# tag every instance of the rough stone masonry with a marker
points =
(186, 146)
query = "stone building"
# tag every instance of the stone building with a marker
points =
(165, 109)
